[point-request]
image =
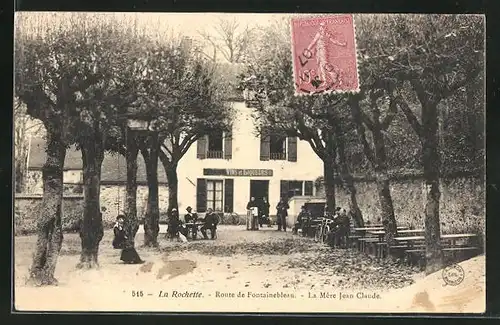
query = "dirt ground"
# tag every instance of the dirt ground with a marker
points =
(243, 271)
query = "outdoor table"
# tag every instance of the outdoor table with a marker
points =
(364, 229)
(193, 227)
(453, 237)
(381, 233)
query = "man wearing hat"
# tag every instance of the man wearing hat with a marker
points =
(191, 217)
(302, 220)
(210, 223)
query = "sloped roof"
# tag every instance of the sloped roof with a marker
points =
(114, 166)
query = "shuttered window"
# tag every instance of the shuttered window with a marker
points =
(228, 145)
(201, 147)
(228, 195)
(265, 149)
(292, 149)
(201, 195)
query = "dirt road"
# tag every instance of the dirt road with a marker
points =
(259, 271)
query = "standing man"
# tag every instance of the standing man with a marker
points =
(282, 213)
(253, 206)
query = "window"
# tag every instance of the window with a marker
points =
(215, 145)
(277, 147)
(214, 195)
(295, 188)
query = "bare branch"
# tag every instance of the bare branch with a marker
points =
(391, 114)
(412, 119)
(358, 121)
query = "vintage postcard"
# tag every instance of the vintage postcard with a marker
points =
(170, 162)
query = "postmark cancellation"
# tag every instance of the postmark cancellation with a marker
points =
(324, 54)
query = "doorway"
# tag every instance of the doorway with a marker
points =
(259, 189)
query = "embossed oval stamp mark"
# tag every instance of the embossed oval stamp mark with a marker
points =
(453, 275)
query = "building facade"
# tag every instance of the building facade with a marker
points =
(223, 170)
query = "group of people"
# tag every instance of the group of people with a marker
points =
(176, 227)
(339, 226)
(260, 209)
(123, 233)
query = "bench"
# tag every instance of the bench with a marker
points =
(421, 251)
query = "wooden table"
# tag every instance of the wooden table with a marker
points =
(366, 229)
(402, 231)
(451, 237)
(193, 228)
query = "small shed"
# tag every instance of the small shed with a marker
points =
(315, 205)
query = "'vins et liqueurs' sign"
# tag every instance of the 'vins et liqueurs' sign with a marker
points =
(237, 172)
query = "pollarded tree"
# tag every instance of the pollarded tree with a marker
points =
(184, 102)
(319, 120)
(46, 80)
(432, 57)
(61, 59)
(102, 110)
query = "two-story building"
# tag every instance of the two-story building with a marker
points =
(223, 170)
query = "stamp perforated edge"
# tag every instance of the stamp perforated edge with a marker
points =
(292, 36)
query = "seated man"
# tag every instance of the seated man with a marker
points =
(210, 222)
(302, 221)
(191, 217)
(341, 229)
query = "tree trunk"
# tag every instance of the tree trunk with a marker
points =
(91, 230)
(152, 218)
(19, 177)
(386, 206)
(347, 179)
(131, 201)
(49, 229)
(173, 185)
(431, 162)
(475, 126)
(329, 178)
(383, 184)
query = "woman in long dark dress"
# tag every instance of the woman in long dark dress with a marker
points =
(122, 241)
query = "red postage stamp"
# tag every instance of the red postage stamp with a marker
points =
(324, 54)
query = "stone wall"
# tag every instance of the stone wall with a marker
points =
(27, 210)
(113, 200)
(462, 203)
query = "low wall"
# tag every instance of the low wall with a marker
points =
(27, 207)
(27, 210)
